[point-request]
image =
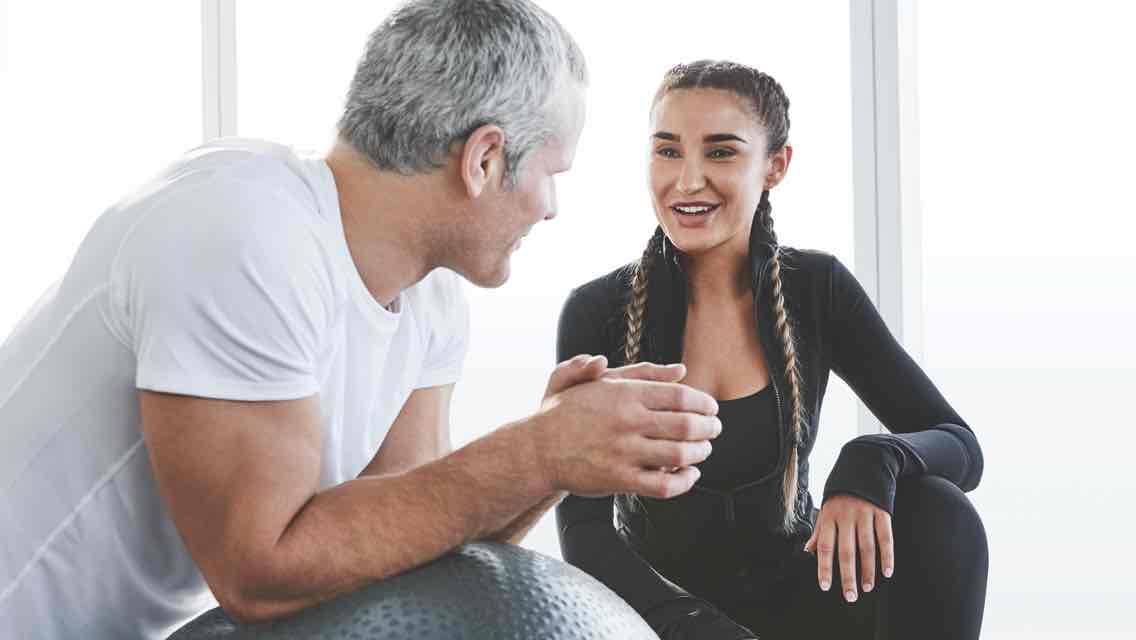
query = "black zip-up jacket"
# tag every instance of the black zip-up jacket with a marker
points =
(836, 328)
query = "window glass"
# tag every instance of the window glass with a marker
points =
(1029, 303)
(96, 97)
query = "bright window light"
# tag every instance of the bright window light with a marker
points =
(1027, 136)
(96, 97)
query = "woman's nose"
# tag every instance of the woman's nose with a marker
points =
(691, 180)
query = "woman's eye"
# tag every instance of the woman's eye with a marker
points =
(667, 152)
(720, 154)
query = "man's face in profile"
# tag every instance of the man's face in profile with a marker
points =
(510, 213)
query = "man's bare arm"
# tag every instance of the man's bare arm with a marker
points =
(241, 482)
(421, 434)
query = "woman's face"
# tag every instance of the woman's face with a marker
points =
(707, 169)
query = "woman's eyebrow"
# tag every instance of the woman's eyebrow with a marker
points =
(723, 137)
(714, 137)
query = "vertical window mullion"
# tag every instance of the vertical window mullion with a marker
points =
(219, 68)
(886, 168)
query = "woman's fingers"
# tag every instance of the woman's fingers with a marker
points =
(825, 545)
(887, 544)
(866, 536)
(846, 550)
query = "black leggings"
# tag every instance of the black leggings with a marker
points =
(938, 589)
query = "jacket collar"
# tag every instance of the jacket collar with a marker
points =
(667, 293)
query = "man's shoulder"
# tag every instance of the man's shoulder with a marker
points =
(243, 191)
(247, 165)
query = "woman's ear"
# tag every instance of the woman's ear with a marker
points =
(778, 166)
(482, 159)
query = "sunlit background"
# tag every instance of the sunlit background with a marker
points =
(1026, 137)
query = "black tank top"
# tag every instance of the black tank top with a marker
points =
(747, 447)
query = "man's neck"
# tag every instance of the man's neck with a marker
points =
(386, 217)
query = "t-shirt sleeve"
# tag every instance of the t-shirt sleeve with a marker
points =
(226, 290)
(448, 330)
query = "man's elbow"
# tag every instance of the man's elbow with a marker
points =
(252, 596)
(247, 611)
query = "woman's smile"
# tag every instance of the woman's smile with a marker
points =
(694, 214)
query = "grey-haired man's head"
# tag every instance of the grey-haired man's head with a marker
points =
(437, 70)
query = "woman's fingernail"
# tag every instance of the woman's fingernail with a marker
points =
(887, 572)
(867, 587)
(850, 595)
(824, 585)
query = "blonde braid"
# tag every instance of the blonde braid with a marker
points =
(637, 305)
(789, 486)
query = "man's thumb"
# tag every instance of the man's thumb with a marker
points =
(582, 368)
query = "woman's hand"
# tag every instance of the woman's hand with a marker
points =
(844, 521)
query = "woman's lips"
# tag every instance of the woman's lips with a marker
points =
(694, 214)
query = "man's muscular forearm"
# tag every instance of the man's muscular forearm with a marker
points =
(375, 527)
(516, 530)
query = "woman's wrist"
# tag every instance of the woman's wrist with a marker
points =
(866, 469)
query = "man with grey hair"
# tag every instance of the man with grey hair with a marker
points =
(242, 384)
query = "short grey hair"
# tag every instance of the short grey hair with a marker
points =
(436, 70)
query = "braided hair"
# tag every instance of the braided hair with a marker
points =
(769, 105)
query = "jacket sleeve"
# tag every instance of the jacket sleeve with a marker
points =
(588, 539)
(927, 435)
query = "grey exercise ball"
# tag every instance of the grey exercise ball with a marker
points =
(480, 591)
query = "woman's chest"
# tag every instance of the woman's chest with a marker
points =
(722, 352)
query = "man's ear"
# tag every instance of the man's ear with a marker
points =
(482, 159)
(778, 166)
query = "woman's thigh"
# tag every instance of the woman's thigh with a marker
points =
(795, 607)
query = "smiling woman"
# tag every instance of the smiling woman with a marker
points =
(745, 313)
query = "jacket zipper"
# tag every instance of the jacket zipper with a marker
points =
(731, 515)
(772, 368)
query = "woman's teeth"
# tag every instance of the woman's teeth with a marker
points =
(692, 211)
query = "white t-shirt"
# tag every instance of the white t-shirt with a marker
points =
(226, 276)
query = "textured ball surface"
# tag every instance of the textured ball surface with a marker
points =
(479, 591)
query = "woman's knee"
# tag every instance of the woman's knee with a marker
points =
(936, 517)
